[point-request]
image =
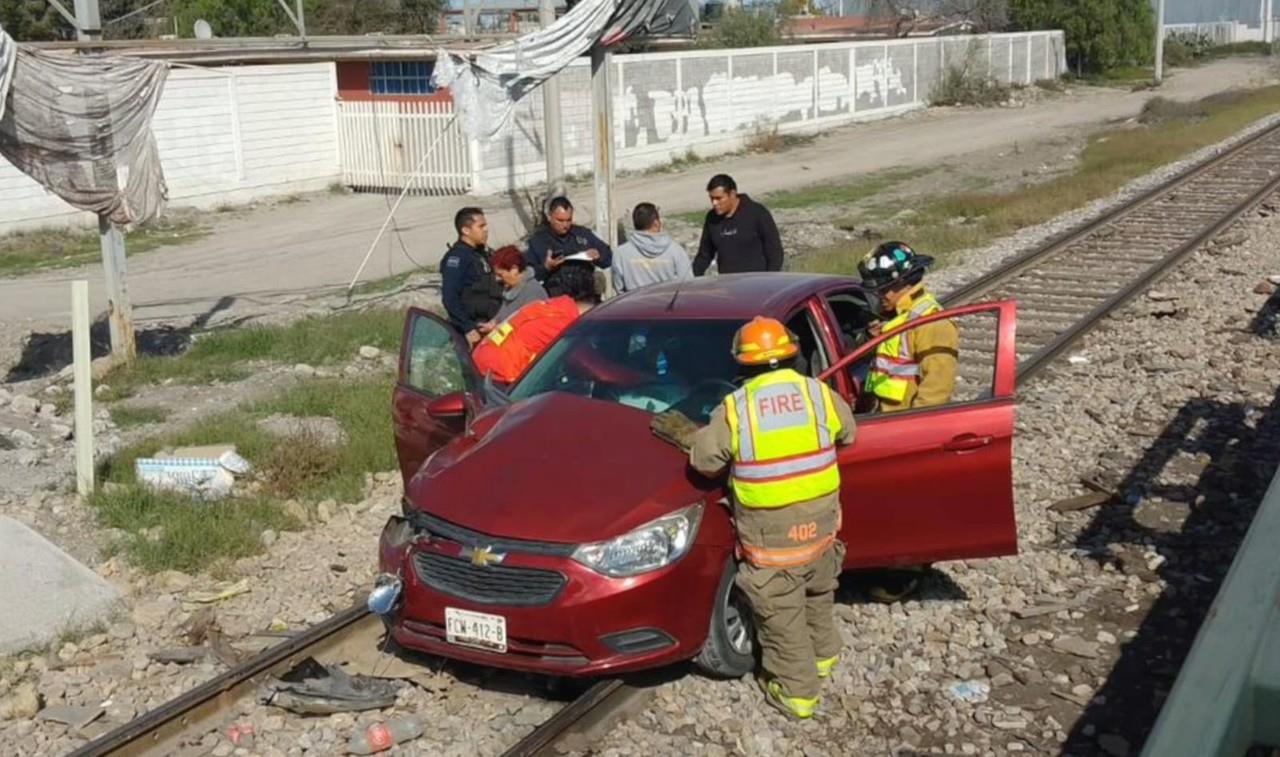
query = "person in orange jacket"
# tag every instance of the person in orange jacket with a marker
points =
(515, 343)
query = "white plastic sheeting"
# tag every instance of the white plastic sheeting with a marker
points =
(80, 125)
(486, 89)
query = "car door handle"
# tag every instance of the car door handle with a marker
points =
(967, 443)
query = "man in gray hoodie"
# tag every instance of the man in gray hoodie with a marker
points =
(650, 255)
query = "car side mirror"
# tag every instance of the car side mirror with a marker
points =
(448, 406)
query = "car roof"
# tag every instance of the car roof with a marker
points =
(739, 296)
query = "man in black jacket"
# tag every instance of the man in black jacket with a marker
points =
(739, 233)
(562, 242)
(471, 293)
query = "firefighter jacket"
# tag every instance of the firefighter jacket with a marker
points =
(916, 368)
(516, 342)
(778, 436)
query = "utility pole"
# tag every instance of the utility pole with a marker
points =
(1159, 72)
(552, 125)
(1268, 24)
(602, 133)
(119, 312)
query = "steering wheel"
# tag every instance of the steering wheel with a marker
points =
(706, 392)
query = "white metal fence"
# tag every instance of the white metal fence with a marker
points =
(393, 145)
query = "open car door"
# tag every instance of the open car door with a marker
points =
(932, 484)
(436, 388)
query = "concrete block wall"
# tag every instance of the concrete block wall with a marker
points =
(712, 101)
(225, 135)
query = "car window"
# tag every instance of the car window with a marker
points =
(434, 367)
(654, 366)
(968, 376)
(813, 357)
(853, 314)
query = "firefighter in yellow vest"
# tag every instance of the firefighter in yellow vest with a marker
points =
(918, 367)
(913, 370)
(777, 435)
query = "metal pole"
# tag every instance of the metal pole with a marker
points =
(88, 21)
(302, 22)
(602, 121)
(552, 125)
(81, 360)
(1159, 70)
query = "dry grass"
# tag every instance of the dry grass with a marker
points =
(303, 463)
(23, 252)
(945, 224)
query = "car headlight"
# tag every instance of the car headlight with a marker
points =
(654, 545)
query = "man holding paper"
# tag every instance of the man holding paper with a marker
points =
(563, 243)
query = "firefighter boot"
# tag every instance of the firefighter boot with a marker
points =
(826, 666)
(795, 707)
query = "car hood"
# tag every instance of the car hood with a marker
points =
(557, 468)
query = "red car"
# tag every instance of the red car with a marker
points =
(547, 530)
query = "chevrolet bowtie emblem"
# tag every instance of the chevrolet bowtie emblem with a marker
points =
(482, 556)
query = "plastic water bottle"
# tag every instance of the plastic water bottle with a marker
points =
(380, 737)
(662, 363)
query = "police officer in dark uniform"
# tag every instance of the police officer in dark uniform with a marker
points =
(561, 243)
(472, 294)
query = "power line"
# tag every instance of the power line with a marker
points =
(146, 7)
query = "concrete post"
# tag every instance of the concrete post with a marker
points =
(110, 238)
(602, 121)
(82, 361)
(1159, 69)
(552, 124)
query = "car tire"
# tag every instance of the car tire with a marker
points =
(730, 648)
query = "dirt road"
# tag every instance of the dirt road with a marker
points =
(268, 260)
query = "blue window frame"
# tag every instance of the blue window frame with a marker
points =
(401, 78)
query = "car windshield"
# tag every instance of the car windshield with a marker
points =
(654, 366)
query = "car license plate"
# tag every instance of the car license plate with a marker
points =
(475, 629)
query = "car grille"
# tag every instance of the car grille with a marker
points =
(493, 584)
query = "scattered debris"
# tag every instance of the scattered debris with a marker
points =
(178, 655)
(315, 689)
(1055, 607)
(369, 352)
(202, 472)
(973, 692)
(1231, 240)
(1078, 360)
(76, 717)
(1074, 645)
(1082, 502)
(241, 735)
(380, 737)
(209, 597)
(1156, 295)
(1264, 287)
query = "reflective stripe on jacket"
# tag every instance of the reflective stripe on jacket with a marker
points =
(783, 428)
(895, 367)
(516, 342)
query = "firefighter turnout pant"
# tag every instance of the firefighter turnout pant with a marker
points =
(795, 619)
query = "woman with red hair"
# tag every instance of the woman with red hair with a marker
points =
(519, 287)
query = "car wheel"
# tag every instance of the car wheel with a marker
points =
(729, 651)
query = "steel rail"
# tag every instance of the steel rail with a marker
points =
(1046, 354)
(970, 291)
(156, 731)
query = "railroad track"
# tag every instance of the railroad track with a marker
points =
(1063, 289)
(1068, 286)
